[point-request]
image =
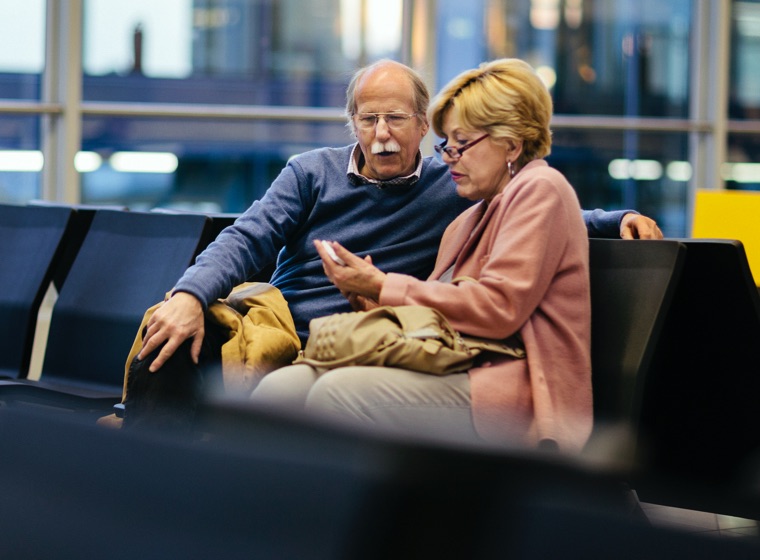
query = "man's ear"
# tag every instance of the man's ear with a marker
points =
(425, 128)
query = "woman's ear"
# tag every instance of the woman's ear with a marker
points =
(514, 149)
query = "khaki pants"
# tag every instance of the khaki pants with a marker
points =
(388, 399)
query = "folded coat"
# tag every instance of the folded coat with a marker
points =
(258, 332)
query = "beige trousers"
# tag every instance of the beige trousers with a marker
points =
(388, 399)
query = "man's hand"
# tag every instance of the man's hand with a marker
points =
(360, 303)
(179, 318)
(636, 226)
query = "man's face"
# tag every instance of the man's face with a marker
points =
(389, 152)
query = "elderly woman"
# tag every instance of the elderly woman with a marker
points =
(526, 248)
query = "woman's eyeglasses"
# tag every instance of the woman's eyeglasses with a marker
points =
(454, 152)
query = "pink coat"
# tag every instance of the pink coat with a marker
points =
(528, 249)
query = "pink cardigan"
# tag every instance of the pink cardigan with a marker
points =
(528, 249)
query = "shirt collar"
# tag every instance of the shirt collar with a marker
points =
(358, 179)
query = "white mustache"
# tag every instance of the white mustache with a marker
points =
(389, 146)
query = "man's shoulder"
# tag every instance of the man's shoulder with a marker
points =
(434, 170)
(431, 164)
(323, 156)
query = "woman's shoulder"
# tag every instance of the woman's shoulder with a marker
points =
(537, 186)
(540, 169)
(539, 179)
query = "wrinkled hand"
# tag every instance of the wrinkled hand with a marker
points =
(179, 318)
(360, 303)
(358, 279)
(636, 226)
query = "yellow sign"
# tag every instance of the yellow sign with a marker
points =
(728, 214)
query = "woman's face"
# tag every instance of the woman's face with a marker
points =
(481, 171)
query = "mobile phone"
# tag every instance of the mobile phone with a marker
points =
(331, 252)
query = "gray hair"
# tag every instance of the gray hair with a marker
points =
(420, 93)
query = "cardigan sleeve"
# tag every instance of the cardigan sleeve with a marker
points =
(514, 260)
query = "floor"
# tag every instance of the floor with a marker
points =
(723, 526)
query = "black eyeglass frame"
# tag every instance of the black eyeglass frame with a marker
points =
(452, 151)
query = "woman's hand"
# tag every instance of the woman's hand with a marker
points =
(361, 303)
(358, 279)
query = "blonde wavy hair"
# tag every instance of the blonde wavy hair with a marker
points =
(507, 99)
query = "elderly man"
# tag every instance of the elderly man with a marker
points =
(378, 197)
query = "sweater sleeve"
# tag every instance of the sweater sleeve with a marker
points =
(252, 242)
(600, 223)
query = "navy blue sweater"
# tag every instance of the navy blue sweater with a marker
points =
(312, 198)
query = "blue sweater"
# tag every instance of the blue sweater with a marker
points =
(312, 198)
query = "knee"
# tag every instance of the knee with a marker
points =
(338, 391)
(286, 386)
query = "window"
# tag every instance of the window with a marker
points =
(199, 103)
(741, 170)
(603, 61)
(247, 54)
(22, 46)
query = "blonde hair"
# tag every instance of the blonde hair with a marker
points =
(506, 98)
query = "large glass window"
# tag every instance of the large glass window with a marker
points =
(628, 169)
(22, 48)
(241, 53)
(601, 57)
(20, 159)
(745, 60)
(22, 59)
(742, 170)
(199, 103)
(258, 52)
(606, 58)
(207, 165)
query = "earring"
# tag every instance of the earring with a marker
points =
(510, 169)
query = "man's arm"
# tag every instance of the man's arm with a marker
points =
(237, 252)
(625, 224)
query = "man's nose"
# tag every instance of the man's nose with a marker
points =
(382, 130)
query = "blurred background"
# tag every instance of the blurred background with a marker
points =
(198, 104)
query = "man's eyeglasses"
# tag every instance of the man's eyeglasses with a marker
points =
(452, 151)
(367, 121)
